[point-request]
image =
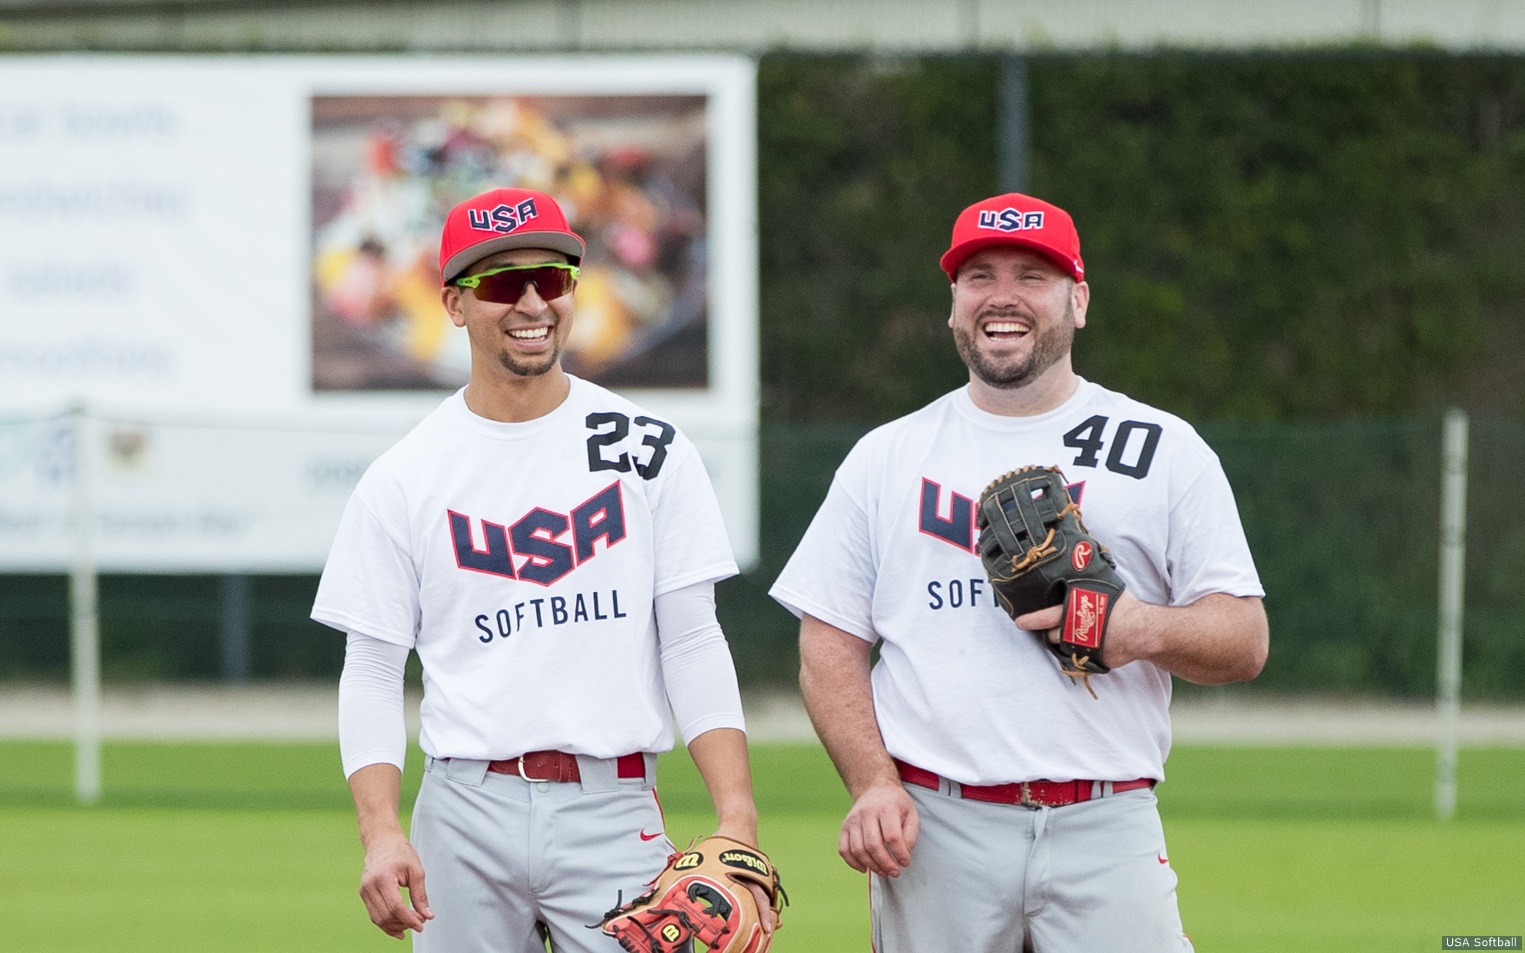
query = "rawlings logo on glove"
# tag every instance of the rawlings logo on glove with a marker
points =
(702, 897)
(1038, 554)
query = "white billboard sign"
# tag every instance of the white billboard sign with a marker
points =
(231, 264)
(164, 496)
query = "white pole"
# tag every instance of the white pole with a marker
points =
(1453, 562)
(84, 616)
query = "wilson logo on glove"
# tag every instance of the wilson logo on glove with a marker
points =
(745, 859)
(702, 898)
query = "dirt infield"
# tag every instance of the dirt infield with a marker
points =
(307, 712)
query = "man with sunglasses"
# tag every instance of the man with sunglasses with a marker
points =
(550, 551)
(997, 804)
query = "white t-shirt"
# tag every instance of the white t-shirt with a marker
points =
(958, 689)
(520, 561)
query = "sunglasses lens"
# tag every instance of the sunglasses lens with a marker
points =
(507, 287)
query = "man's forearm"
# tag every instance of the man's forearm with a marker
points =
(721, 757)
(1217, 639)
(377, 791)
(834, 680)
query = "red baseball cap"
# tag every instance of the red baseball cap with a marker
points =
(501, 219)
(1015, 219)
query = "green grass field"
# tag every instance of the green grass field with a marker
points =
(251, 847)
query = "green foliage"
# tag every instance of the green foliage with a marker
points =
(860, 163)
(1279, 237)
(1346, 549)
(1343, 519)
(1267, 237)
(34, 633)
(165, 628)
(799, 463)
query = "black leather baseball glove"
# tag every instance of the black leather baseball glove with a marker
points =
(1038, 553)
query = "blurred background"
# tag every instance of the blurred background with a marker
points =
(1303, 224)
(628, 171)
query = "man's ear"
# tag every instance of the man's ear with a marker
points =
(450, 297)
(1082, 299)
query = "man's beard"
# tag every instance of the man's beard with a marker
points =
(1050, 344)
(526, 369)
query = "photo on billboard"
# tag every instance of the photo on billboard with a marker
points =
(631, 172)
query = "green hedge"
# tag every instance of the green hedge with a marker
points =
(156, 628)
(1267, 237)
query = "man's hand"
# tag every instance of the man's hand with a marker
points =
(880, 830)
(392, 866)
(1215, 640)
(746, 833)
(1125, 637)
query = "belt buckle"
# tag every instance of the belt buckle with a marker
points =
(522, 758)
(1027, 795)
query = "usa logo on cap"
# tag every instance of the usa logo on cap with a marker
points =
(1010, 219)
(502, 218)
(1018, 220)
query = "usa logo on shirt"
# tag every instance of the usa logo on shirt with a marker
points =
(542, 546)
(957, 528)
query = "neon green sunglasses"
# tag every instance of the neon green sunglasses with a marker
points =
(506, 285)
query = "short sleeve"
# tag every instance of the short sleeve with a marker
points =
(832, 573)
(690, 541)
(369, 583)
(1207, 551)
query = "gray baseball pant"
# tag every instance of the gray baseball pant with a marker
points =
(1091, 877)
(503, 855)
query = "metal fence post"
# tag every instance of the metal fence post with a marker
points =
(84, 619)
(1453, 564)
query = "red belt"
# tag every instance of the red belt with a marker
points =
(1027, 793)
(560, 766)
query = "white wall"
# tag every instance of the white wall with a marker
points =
(890, 26)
